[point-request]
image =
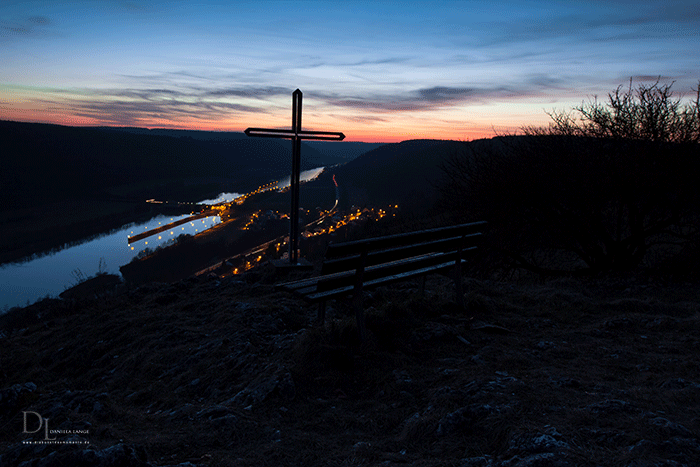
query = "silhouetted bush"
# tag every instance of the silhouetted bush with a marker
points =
(604, 193)
(648, 113)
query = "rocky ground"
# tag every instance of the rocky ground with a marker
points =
(231, 372)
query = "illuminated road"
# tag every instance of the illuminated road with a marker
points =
(141, 236)
(259, 251)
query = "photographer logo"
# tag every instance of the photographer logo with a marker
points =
(30, 420)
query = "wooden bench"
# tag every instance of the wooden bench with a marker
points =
(351, 267)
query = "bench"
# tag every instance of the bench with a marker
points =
(350, 267)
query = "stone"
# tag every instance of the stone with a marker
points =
(279, 382)
(464, 418)
(673, 429)
(609, 406)
(11, 399)
(119, 455)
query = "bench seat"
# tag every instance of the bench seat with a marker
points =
(351, 267)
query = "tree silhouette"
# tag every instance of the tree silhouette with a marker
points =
(600, 190)
(649, 113)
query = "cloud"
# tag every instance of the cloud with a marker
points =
(363, 118)
(437, 97)
(41, 20)
(141, 113)
(653, 78)
(601, 21)
(133, 107)
(132, 6)
(31, 26)
(249, 91)
(379, 61)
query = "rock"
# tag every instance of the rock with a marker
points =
(673, 450)
(671, 428)
(546, 459)
(220, 416)
(214, 412)
(432, 330)
(279, 382)
(15, 398)
(227, 421)
(402, 376)
(120, 455)
(482, 461)
(609, 406)
(534, 444)
(98, 409)
(361, 448)
(546, 449)
(477, 359)
(183, 464)
(464, 418)
(678, 383)
(491, 329)
(569, 383)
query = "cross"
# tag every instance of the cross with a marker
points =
(296, 134)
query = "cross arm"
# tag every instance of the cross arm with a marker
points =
(275, 133)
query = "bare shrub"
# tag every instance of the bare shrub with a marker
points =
(588, 195)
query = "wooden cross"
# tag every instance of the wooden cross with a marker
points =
(296, 134)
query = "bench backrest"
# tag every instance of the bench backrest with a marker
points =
(372, 251)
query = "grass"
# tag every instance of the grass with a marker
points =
(160, 356)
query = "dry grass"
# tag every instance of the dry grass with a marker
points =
(599, 367)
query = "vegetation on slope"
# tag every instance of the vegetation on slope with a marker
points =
(612, 190)
(231, 372)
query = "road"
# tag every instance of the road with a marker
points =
(135, 238)
(260, 249)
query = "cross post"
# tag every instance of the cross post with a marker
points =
(296, 134)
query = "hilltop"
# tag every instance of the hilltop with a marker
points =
(231, 372)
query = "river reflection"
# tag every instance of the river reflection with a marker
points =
(26, 282)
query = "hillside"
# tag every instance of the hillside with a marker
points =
(231, 372)
(62, 184)
(406, 173)
(48, 162)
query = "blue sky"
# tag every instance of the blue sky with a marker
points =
(378, 71)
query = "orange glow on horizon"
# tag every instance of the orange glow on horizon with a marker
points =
(365, 135)
(457, 123)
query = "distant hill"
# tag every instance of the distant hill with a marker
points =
(398, 173)
(42, 161)
(345, 150)
(315, 153)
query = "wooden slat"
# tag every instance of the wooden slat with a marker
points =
(301, 283)
(338, 280)
(383, 260)
(311, 285)
(391, 254)
(337, 292)
(336, 250)
(387, 269)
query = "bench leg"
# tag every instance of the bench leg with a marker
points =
(360, 315)
(357, 296)
(459, 292)
(321, 312)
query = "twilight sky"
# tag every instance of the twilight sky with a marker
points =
(376, 70)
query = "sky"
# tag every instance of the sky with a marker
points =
(379, 71)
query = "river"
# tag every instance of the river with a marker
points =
(25, 282)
